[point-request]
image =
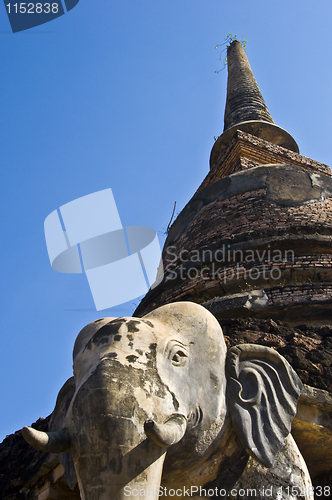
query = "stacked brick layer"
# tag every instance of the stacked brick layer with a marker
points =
(257, 243)
(244, 99)
(245, 151)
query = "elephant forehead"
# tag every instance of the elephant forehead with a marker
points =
(108, 330)
(87, 332)
(131, 342)
(121, 390)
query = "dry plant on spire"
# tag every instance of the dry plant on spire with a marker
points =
(228, 40)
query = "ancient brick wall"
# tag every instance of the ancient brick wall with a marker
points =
(307, 348)
(246, 151)
(268, 229)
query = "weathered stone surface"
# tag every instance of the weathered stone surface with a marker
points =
(164, 377)
(284, 480)
(312, 430)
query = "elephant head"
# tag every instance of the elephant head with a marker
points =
(163, 386)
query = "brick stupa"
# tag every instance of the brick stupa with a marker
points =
(255, 239)
(254, 247)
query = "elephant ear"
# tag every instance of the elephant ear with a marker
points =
(57, 422)
(262, 393)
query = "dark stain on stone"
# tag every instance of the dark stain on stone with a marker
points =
(131, 325)
(103, 335)
(117, 337)
(140, 352)
(151, 355)
(214, 379)
(116, 464)
(111, 355)
(148, 323)
(229, 472)
(131, 344)
(132, 358)
(162, 387)
(153, 348)
(130, 337)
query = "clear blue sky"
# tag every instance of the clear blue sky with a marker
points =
(124, 94)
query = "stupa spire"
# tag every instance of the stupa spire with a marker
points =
(244, 99)
(245, 107)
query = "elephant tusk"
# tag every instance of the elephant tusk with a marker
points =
(50, 442)
(171, 432)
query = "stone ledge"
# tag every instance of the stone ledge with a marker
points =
(245, 150)
(315, 407)
(312, 429)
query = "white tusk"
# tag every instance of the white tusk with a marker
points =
(171, 432)
(50, 442)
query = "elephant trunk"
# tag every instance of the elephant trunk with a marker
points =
(134, 467)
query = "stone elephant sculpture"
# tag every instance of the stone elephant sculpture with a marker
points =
(157, 405)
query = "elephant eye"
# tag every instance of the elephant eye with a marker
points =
(179, 358)
(176, 352)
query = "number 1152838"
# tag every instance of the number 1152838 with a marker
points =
(32, 8)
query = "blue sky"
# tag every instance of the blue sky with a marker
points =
(124, 95)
